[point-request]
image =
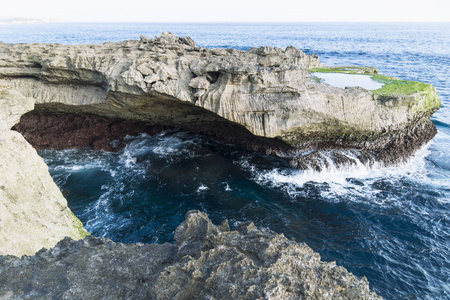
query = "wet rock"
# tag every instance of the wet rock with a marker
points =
(61, 131)
(114, 144)
(205, 263)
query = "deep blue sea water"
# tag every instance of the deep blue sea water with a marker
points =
(391, 225)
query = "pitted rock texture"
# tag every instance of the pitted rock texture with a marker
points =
(265, 90)
(33, 212)
(207, 262)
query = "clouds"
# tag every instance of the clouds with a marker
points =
(229, 10)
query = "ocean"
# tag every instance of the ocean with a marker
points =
(391, 225)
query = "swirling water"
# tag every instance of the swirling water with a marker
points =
(388, 224)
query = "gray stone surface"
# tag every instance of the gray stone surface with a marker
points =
(207, 262)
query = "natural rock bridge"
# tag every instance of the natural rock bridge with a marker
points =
(262, 99)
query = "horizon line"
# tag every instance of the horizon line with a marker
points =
(31, 21)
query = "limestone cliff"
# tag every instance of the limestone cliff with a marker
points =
(207, 262)
(235, 95)
(33, 212)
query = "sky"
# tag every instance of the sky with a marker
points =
(229, 10)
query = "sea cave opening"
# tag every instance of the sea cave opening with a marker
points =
(139, 188)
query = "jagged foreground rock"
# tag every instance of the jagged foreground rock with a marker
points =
(262, 99)
(33, 212)
(207, 262)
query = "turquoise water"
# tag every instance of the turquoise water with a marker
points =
(390, 225)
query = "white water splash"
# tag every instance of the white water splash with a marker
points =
(202, 188)
(162, 144)
(127, 159)
(355, 180)
(227, 187)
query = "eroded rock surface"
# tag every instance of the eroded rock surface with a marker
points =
(33, 212)
(207, 262)
(264, 92)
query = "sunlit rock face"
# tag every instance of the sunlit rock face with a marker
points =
(33, 212)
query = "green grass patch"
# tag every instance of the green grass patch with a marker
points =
(394, 85)
(391, 85)
(421, 97)
(424, 97)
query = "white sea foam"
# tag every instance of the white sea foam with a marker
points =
(162, 145)
(227, 187)
(127, 159)
(77, 168)
(355, 180)
(84, 167)
(202, 188)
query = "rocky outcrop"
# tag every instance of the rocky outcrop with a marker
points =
(207, 262)
(262, 98)
(33, 212)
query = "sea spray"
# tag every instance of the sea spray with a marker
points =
(341, 180)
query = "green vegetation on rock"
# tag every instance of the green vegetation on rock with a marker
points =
(345, 70)
(394, 85)
(424, 96)
(316, 79)
(329, 132)
(79, 226)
